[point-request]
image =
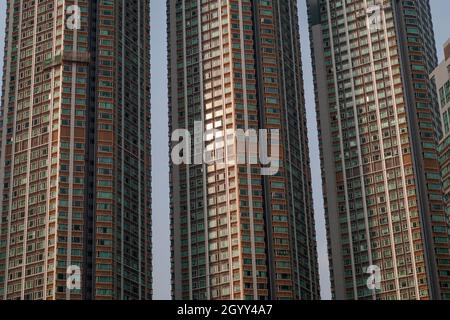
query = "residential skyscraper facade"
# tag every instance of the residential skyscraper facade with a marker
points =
(75, 151)
(441, 76)
(236, 233)
(379, 129)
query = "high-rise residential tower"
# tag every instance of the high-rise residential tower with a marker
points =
(441, 76)
(236, 233)
(75, 151)
(379, 129)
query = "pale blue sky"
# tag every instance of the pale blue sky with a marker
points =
(161, 234)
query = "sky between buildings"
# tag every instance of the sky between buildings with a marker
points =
(160, 149)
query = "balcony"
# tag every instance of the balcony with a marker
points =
(67, 56)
